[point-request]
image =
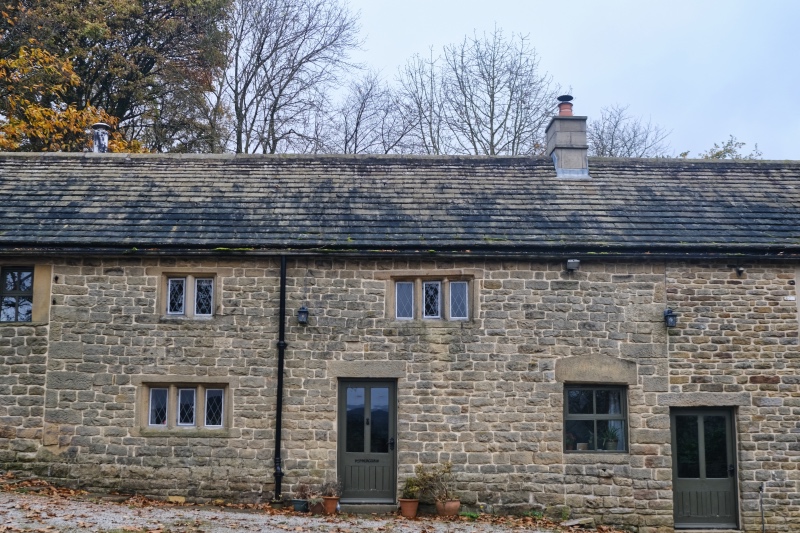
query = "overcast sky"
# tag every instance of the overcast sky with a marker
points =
(703, 69)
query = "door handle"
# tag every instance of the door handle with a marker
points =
(731, 470)
(391, 443)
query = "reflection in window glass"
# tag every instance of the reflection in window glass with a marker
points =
(687, 446)
(431, 291)
(186, 403)
(379, 420)
(158, 407)
(213, 407)
(458, 300)
(176, 296)
(355, 419)
(716, 448)
(579, 401)
(204, 297)
(404, 299)
(16, 294)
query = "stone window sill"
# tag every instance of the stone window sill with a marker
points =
(185, 432)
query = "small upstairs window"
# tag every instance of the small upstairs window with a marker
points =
(439, 299)
(16, 294)
(189, 296)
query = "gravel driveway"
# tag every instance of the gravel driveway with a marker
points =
(45, 513)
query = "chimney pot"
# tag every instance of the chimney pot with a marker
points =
(100, 132)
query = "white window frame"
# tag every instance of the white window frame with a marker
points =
(397, 300)
(196, 292)
(150, 407)
(465, 284)
(170, 281)
(194, 407)
(438, 285)
(222, 409)
(190, 293)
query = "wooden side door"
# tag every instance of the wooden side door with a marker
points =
(366, 444)
(703, 468)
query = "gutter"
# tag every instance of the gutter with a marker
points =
(279, 407)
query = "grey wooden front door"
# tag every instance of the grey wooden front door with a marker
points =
(703, 469)
(366, 443)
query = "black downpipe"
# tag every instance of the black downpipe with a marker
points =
(279, 407)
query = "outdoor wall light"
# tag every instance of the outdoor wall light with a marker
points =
(302, 315)
(670, 318)
(573, 264)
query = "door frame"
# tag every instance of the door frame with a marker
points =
(341, 401)
(730, 414)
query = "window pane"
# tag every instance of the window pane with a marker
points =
(688, 455)
(579, 435)
(431, 293)
(579, 402)
(158, 407)
(25, 281)
(379, 420)
(9, 280)
(8, 309)
(608, 402)
(186, 407)
(458, 300)
(610, 435)
(175, 296)
(213, 407)
(404, 299)
(204, 297)
(716, 447)
(24, 309)
(355, 419)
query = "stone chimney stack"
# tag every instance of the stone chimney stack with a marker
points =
(100, 137)
(566, 141)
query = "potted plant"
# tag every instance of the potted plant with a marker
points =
(439, 481)
(331, 492)
(610, 438)
(316, 503)
(301, 496)
(409, 498)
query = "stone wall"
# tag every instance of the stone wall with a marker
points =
(486, 393)
(736, 344)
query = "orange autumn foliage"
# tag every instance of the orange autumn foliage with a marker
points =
(33, 114)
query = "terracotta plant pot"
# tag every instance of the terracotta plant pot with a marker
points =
(316, 508)
(330, 502)
(448, 507)
(408, 507)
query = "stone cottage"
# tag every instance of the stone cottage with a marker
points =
(615, 338)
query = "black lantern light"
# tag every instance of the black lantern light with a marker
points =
(302, 315)
(670, 318)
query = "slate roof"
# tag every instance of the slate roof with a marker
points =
(84, 203)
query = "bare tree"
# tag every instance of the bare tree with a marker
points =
(422, 99)
(369, 120)
(617, 134)
(484, 96)
(283, 56)
(497, 100)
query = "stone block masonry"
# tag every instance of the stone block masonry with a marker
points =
(486, 393)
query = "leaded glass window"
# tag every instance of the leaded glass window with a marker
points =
(176, 296)
(459, 309)
(204, 297)
(186, 407)
(158, 407)
(432, 301)
(214, 401)
(16, 294)
(404, 299)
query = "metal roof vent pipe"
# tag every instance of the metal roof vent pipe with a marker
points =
(567, 145)
(100, 131)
